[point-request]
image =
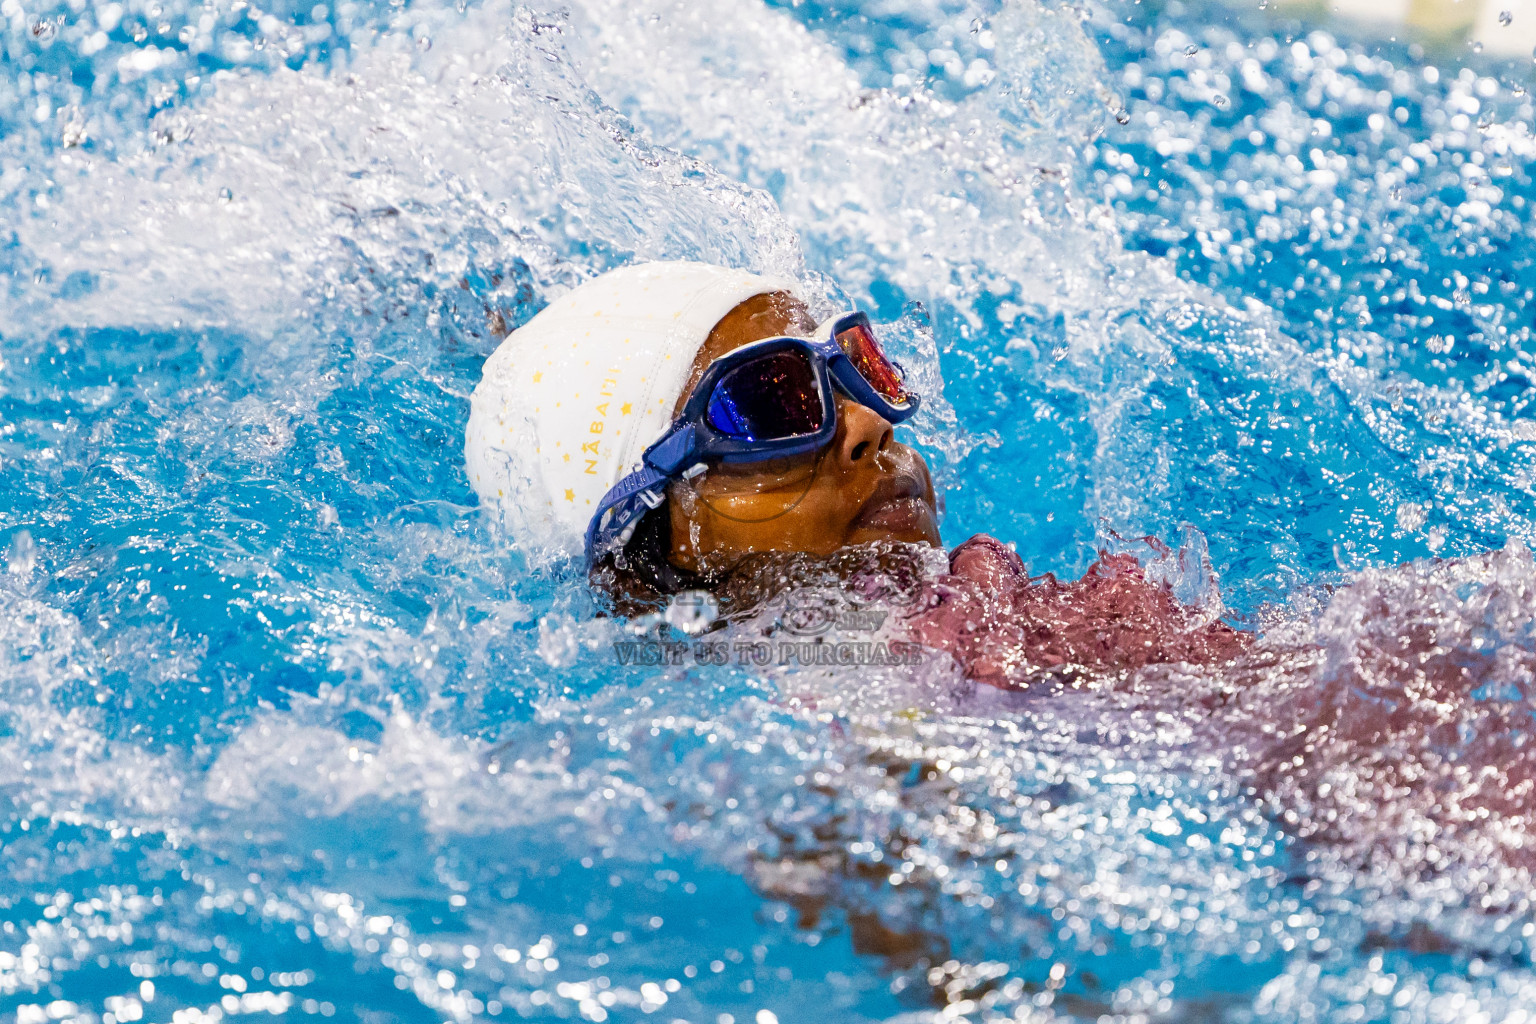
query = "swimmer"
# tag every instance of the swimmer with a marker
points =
(682, 426)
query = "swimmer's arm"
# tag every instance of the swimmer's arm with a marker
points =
(989, 563)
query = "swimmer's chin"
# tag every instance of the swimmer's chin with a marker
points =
(904, 518)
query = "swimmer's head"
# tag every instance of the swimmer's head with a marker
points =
(861, 486)
(570, 402)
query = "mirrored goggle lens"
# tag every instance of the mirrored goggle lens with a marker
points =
(771, 398)
(861, 347)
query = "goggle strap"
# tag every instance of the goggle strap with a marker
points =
(669, 454)
(637, 493)
(621, 508)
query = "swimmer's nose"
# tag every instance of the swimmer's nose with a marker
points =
(861, 433)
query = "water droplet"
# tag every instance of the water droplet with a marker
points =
(23, 554)
(1477, 47)
(73, 133)
(424, 43)
(1439, 344)
(227, 196)
(1191, 50)
(558, 644)
(1505, 17)
(1410, 516)
(692, 611)
(975, 26)
(1220, 100)
(1121, 117)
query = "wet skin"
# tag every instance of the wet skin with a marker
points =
(863, 486)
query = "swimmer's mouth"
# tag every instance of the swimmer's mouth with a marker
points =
(898, 506)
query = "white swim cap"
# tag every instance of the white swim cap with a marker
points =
(570, 401)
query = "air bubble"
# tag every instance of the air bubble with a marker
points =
(1191, 50)
(1505, 17)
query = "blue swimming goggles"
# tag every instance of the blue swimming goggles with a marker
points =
(765, 400)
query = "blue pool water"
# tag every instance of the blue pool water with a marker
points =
(288, 730)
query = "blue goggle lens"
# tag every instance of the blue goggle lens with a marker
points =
(768, 399)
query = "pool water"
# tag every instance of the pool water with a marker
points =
(288, 728)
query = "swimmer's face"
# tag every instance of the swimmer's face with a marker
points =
(862, 487)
